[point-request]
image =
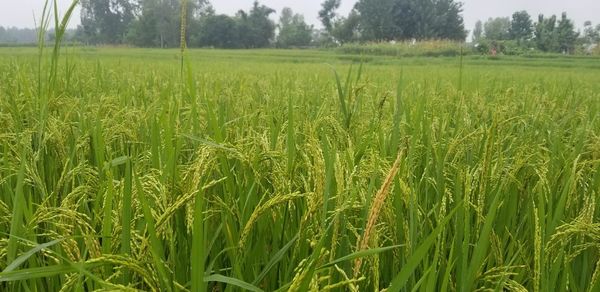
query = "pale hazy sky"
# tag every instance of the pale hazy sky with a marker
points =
(20, 12)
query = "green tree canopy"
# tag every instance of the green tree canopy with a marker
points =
(377, 19)
(478, 31)
(106, 21)
(293, 30)
(347, 29)
(521, 26)
(591, 34)
(567, 37)
(555, 36)
(327, 14)
(497, 28)
(411, 19)
(257, 30)
(219, 31)
(546, 36)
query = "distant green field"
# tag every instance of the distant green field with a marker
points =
(259, 170)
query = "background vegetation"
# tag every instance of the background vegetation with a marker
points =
(156, 23)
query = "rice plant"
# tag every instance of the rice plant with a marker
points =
(124, 169)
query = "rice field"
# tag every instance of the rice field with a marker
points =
(271, 170)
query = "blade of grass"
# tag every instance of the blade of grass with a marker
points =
(274, 260)
(359, 254)
(479, 254)
(232, 281)
(341, 96)
(42, 272)
(24, 257)
(420, 253)
(16, 223)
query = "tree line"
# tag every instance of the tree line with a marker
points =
(28, 36)
(17, 35)
(547, 34)
(156, 23)
(386, 20)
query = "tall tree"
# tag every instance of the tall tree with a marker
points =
(567, 37)
(414, 19)
(521, 27)
(142, 31)
(293, 30)
(377, 20)
(346, 29)
(448, 21)
(546, 36)
(497, 28)
(257, 30)
(478, 31)
(201, 11)
(219, 31)
(411, 19)
(199, 8)
(106, 21)
(157, 24)
(591, 34)
(168, 19)
(327, 14)
(159, 21)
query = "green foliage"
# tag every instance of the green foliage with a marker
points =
(546, 36)
(553, 36)
(293, 30)
(347, 29)
(478, 31)
(385, 20)
(520, 35)
(160, 22)
(405, 49)
(497, 29)
(515, 36)
(591, 34)
(521, 27)
(378, 19)
(14, 35)
(410, 19)
(506, 47)
(448, 23)
(327, 14)
(256, 30)
(566, 34)
(220, 31)
(106, 22)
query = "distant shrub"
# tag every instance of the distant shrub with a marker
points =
(505, 47)
(35, 45)
(406, 49)
(482, 48)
